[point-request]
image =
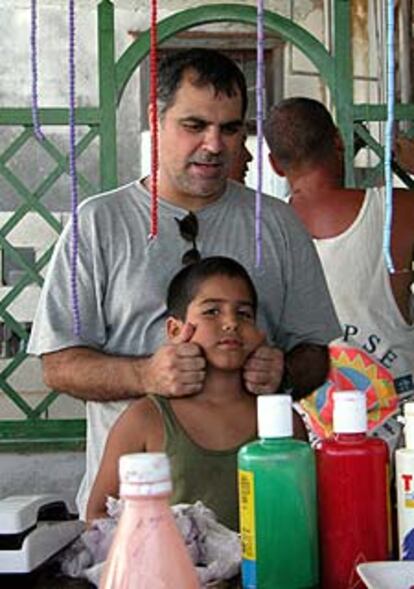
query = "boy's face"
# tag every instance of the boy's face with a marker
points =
(224, 320)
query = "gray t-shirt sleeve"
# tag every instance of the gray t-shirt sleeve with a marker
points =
(308, 313)
(53, 327)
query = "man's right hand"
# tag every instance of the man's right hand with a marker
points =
(176, 369)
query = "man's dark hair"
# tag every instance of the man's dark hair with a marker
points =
(210, 67)
(184, 286)
(300, 131)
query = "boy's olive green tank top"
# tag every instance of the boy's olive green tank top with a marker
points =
(198, 473)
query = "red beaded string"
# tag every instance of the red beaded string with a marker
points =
(154, 121)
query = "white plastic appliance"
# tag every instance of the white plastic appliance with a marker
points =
(32, 529)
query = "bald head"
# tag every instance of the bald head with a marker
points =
(300, 132)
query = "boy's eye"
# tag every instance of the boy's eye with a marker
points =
(211, 311)
(246, 313)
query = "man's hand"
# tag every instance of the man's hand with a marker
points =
(263, 370)
(177, 369)
(307, 367)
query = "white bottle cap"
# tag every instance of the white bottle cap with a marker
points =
(145, 474)
(409, 425)
(274, 416)
(349, 412)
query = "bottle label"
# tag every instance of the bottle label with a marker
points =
(407, 489)
(406, 519)
(247, 528)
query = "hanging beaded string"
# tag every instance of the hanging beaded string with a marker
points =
(389, 137)
(154, 121)
(33, 53)
(259, 124)
(76, 324)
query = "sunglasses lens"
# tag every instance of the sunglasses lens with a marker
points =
(188, 227)
(190, 257)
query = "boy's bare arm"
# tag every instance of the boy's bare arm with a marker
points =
(129, 434)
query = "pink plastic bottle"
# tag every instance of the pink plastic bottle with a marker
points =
(148, 550)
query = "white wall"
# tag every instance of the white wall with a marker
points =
(24, 474)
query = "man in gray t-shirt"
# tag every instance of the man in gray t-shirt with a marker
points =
(123, 276)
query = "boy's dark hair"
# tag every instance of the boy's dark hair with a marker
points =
(300, 131)
(210, 66)
(184, 286)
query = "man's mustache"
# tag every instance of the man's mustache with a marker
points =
(207, 158)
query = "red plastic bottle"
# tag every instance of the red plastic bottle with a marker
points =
(353, 495)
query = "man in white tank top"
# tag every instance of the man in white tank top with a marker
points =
(374, 306)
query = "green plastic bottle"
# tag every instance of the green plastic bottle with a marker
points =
(277, 498)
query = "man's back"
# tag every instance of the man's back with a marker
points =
(329, 212)
(326, 211)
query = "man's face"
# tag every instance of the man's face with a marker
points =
(198, 136)
(239, 166)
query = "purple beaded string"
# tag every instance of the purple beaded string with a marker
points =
(259, 123)
(389, 137)
(33, 49)
(76, 324)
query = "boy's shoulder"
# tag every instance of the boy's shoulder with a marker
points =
(139, 427)
(142, 408)
(140, 415)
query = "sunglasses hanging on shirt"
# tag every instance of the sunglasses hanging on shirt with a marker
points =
(188, 228)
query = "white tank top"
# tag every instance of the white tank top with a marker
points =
(360, 286)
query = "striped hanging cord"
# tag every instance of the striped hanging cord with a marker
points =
(259, 125)
(389, 137)
(34, 63)
(154, 121)
(76, 323)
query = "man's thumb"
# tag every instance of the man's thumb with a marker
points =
(261, 339)
(187, 333)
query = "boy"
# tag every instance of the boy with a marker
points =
(201, 434)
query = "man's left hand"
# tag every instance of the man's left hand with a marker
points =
(263, 370)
